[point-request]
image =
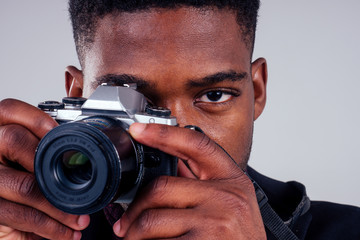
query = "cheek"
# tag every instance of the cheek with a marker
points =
(240, 145)
(235, 137)
(234, 130)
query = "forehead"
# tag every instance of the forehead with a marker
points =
(167, 39)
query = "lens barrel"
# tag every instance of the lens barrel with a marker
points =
(82, 166)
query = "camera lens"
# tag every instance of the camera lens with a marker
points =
(75, 166)
(84, 165)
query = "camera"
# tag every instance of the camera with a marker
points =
(90, 160)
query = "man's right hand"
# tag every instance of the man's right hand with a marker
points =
(24, 212)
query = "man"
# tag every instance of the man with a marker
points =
(194, 58)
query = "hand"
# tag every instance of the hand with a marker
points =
(218, 202)
(24, 212)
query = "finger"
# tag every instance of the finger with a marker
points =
(184, 193)
(161, 224)
(30, 220)
(205, 158)
(17, 144)
(7, 233)
(17, 112)
(21, 187)
(164, 192)
(207, 198)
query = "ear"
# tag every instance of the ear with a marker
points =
(259, 78)
(73, 82)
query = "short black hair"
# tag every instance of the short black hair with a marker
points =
(84, 15)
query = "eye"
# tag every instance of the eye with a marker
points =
(215, 97)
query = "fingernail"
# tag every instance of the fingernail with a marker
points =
(83, 221)
(77, 235)
(137, 128)
(117, 228)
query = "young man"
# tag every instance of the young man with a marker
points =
(195, 58)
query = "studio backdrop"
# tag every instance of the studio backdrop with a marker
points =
(309, 131)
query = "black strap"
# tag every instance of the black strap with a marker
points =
(274, 223)
(270, 218)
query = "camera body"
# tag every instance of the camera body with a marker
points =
(90, 160)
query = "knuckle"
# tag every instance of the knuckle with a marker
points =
(44, 122)
(235, 200)
(205, 145)
(15, 111)
(161, 182)
(146, 220)
(159, 187)
(21, 217)
(163, 131)
(36, 217)
(64, 232)
(46, 225)
(5, 106)
(219, 225)
(226, 226)
(13, 136)
(6, 102)
(6, 212)
(27, 188)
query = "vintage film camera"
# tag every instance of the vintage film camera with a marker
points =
(90, 160)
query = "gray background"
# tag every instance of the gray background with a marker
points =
(309, 130)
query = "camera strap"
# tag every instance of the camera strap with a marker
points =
(270, 218)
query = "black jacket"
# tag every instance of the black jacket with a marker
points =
(322, 220)
(314, 221)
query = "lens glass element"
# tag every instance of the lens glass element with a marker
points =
(76, 167)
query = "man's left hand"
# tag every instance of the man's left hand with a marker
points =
(214, 199)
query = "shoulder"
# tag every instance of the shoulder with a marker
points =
(313, 220)
(333, 221)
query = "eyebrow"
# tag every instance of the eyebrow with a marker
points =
(120, 80)
(218, 77)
